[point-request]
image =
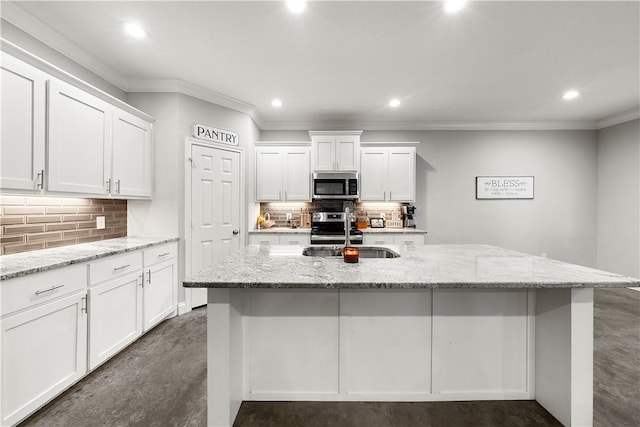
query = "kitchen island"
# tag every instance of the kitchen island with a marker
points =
(441, 322)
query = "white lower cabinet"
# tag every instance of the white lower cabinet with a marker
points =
(128, 295)
(263, 238)
(55, 330)
(159, 287)
(115, 317)
(44, 341)
(390, 238)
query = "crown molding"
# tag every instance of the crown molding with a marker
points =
(38, 29)
(619, 118)
(430, 125)
(199, 92)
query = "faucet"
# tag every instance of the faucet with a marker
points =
(347, 226)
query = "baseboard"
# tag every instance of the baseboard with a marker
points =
(183, 308)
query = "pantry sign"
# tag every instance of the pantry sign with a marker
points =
(209, 133)
(504, 187)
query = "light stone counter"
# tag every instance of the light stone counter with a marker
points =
(393, 230)
(419, 267)
(281, 230)
(21, 264)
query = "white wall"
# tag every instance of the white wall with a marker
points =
(560, 221)
(618, 212)
(175, 114)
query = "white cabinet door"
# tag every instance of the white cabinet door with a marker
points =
(131, 171)
(22, 138)
(269, 174)
(44, 350)
(402, 174)
(115, 310)
(333, 151)
(297, 182)
(159, 292)
(388, 174)
(283, 174)
(324, 153)
(79, 141)
(347, 151)
(373, 171)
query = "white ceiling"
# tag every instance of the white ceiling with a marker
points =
(503, 63)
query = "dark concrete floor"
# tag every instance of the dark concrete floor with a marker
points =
(161, 381)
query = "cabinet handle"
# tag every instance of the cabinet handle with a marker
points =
(40, 179)
(337, 164)
(118, 186)
(149, 277)
(109, 185)
(165, 254)
(84, 305)
(142, 279)
(384, 195)
(389, 195)
(121, 267)
(285, 195)
(53, 288)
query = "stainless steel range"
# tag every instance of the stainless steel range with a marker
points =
(327, 228)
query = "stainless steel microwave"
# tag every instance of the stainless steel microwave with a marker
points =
(335, 185)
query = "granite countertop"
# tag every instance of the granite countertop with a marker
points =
(281, 230)
(393, 230)
(419, 267)
(21, 264)
(285, 230)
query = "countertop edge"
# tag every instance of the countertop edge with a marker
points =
(403, 286)
(110, 251)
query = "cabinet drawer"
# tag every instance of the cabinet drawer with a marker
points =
(264, 239)
(114, 266)
(295, 239)
(158, 254)
(409, 239)
(378, 239)
(26, 291)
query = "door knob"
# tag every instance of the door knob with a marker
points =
(236, 232)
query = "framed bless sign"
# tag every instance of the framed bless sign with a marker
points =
(504, 187)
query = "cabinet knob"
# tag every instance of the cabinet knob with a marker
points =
(236, 232)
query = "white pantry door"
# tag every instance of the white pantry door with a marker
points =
(215, 209)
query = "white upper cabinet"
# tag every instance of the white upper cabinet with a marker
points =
(92, 146)
(22, 139)
(335, 151)
(388, 174)
(79, 141)
(131, 162)
(283, 174)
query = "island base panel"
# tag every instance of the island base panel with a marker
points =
(564, 354)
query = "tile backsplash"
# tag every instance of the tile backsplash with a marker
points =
(278, 211)
(32, 223)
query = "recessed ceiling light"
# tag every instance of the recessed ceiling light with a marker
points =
(570, 94)
(134, 29)
(453, 6)
(394, 103)
(296, 6)
(276, 103)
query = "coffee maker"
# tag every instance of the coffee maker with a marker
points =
(408, 212)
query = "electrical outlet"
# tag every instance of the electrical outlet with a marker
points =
(100, 222)
(289, 216)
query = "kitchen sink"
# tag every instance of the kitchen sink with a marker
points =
(336, 251)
